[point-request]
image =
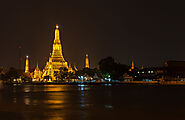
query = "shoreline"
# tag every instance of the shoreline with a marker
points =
(104, 83)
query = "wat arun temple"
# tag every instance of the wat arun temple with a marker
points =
(54, 64)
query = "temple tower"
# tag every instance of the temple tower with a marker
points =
(56, 59)
(37, 72)
(132, 67)
(57, 47)
(86, 61)
(27, 65)
(70, 69)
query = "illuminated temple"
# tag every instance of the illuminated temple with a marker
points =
(55, 63)
(56, 59)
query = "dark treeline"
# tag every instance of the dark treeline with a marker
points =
(109, 67)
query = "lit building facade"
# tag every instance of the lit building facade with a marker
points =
(54, 64)
(56, 59)
(37, 73)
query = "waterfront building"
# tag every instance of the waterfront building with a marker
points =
(128, 77)
(149, 74)
(174, 71)
(86, 61)
(170, 71)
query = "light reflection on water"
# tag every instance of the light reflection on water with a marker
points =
(83, 87)
(53, 101)
(56, 118)
(82, 102)
(14, 100)
(54, 88)
(27, 100)
(49, 102)
(108, 106)
(27, 89)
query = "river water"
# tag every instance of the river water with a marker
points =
(92, 102)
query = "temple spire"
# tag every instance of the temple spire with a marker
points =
(57, 47)
(56, 60)
(57, 34)
(37, 67)
(37, 72)
(70, 68)
(132, 65)
(86, 61)
(27, 65)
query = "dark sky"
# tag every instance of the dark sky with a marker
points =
(148, 31)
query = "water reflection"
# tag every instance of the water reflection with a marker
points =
(108, 84)
(83, 93)
(56, 102)
(14, 90)
(14, 100)
(35, 102)
(55, 118)
(54, 88)
(108, 106)
(27, 100)
(27, 89)
(83, 87)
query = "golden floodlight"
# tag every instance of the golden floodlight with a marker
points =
(57, 26)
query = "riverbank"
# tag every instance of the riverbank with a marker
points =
(104, 83)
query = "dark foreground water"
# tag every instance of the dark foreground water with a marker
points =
(99, 102)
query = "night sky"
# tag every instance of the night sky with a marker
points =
(150, 32)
